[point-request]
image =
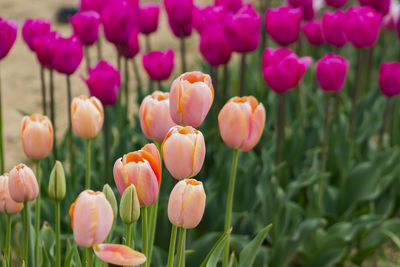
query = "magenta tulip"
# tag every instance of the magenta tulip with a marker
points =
(207, 17)
(230, 5)
(336, 3)
(8, 35)
(283, 24)
(104, 82)
(133, 45)
(86, 26)
(305, 5)
(68, 54)
(45, 47)
(178, 31)
(33, 28)
(214, 47)
(282, 69)
(148, 14)
(331, 71)
(96, 5)
(180, 15)
(382, 6)
(313, 31)
(159, 64)
(333, 24)
(389, 78)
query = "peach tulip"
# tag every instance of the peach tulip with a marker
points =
(186, 203)
(155, 120)
(183, 151)
(22, 184)
(91, 218)
(7, 204)
(119, 254)
(191, 97)
(87, 116)
(37, 136)
(241, 122)
(142, 169)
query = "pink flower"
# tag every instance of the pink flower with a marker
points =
(209, 16)
(230, 5)
(133, 45)
(333, 24)
(331, 72)
(159, 64)
(148, 17)
(305, 5)
(389, 78)
(180, 16)
(33, 28)
(7, 204)
(87, 116)
(336, 3)
(45, 46)
(382, 6)
(68, 54)
(214, 47)
(96, 5)
(22, 184)
(8, 35)
(119, 255)
(86, 26)
(313, 31)
(37, 136)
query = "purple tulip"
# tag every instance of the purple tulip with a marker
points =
(68, 54)
(333, 24)
(148, 14)
(133, 45)
(389, 78)
(331, 72)
(362, 26)
(313, 31)
(242, 30)
(86, 26)
(180, 15)
(207, 16)
(44, 47)
(305, 5)
(33, 28)
(230, 5)
(283, 24)
(214, 47)
(159, 64)
(185, 30)
(382, 6)
(8, 35)
(336, 3)
(96, 5)
(104, 82)
(282, 69)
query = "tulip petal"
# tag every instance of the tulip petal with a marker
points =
(119, 254)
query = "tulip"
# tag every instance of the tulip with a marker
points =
(148, 14)
(68, 54)
(7, 204)
(180, 31)
(333, 24)
(96, 5)
(45, 46)
(306, 6)
(313, 32)
(142, 169)
(382, 6)
(57, 185)
(331, 72)
(191, 97)
(389, 79)
(129, 206)
(362, 26)
(282, 69)
(154, 116)
(8, 33)
(132, 46)
(33, 28)
(183, 152)
(119, 255)
(230, 5)
(159, 64)
(241, 122)
(22, 184)
(283, 24)
(109, 194)
(37, 136)
(104, 82)
(86, 26)
(87, 116)
(179, 12)
(207, 17)
(214, 46)
(336, 3)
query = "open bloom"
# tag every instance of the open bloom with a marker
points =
(186, 203)
(86, 26)
(389, 78)
(331, 72)
(159, 64)
(142, 169)
(154, 116)
(241, 122)
(87, 116)
(313, 32)
(8, 35)
(33, 28)
(7, 204)
(68, 54)
(333, 24)
(148, 14)
(183, 151)
(191, 97)
(22, 184)
(37, 136)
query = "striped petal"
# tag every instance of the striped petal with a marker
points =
(119, 254)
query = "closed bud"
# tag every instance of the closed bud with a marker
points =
(57, 182)
(108, 192)
(129, 208)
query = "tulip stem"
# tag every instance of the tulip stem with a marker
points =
(138, 80)
(225, 80)
(26, 231)
(128, 234)
(43, 85)
(126, 84)
(181, 247)
(144, 233)
(52, 114)
(70, 142)
(87, 58)
(242, 74)
(385, 118)
(357, 83)
(159, 86)
(89, 257)
(148, 44)
(106, 132)
(183, 51)
(37, 215)
(395, 123)
(280, 132)
(229, 204)
(99, 52)
(1, 134)
(172, 242)
(88, 163)
(8, 241)
(58, 233)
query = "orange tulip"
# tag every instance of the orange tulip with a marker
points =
(7, 204)
(37, 136)
(87, 116)
(22, 184)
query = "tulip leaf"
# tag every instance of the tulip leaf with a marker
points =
(249, 252)
(45, 257)
(215, 252)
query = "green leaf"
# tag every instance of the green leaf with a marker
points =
(249, 252)
(392, 236)
(215, 252)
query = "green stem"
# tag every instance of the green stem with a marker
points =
(106, 133)
(148, 44)
(386, 115)
(144, 233)
(99, 52)
(43, 86)
(280, 132)
(89, 257)
(357, 83)
(88, 163)
(1, 134)
(242, 74)
(70, 141)
(229, 203)
(128, 235)
(37, 216)
(26, 231)
(225, 81)
(58, 233)
(126, 70)
(52, 113)
(183, 51)
(8, 240)
(395, 123)
(172, 242)
(87, 58)
(181, 247)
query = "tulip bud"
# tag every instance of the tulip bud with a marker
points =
(8, 33)
(87, 116)
(214, 47)
(191, 97)
(241, 122)
(22, 184)
(183, 151)
(109, 194)
(186, 203)
(57, 182)
(91, 218)
(389, 79)
(333, 28)
(86, 26)
(148, 17)
(7, 204)
(331, 72)
(37, 136)
(313, 32)
(159, 64)
(129, 207)
(33, 28)
(68, 54)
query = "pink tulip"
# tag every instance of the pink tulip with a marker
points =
(191, 97)
(8, 35)
(389, 78)
(181, 31)
(87, 116)
(313, 31)
(7, 204)
(230, 5)
(241, 122)
(180, 12)
(133, 45)
(209, 16)
(22, 184)
(119, 255)
(155, 120)
(183, 151)
(33, 28)
(142, 169)
(362, 26)
(331, 72)
(283, 24)
(45, 46)
(159, 64)
(96, 5)
(336, 3)
(282, 69)
(91, 218)
(333, 24)
(306, 6)
(148, 17)
(86, 26)
(68, 54)
(214, 47)
(186, 203)
(382, 6)
(37, 136)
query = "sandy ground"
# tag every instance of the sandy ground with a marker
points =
(20, 71)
